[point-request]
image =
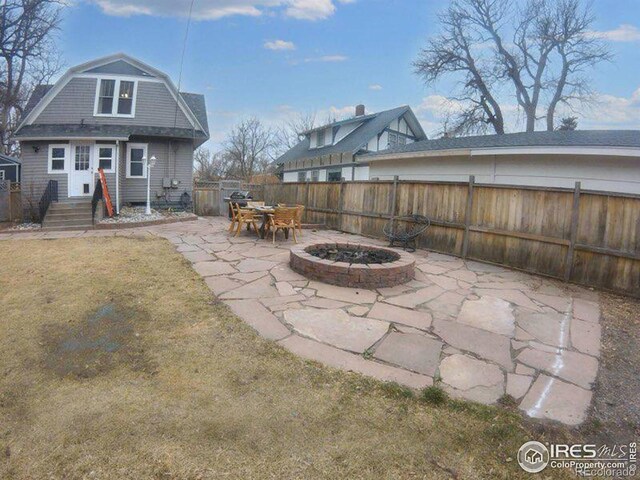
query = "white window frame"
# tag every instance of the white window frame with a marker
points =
(50, 169)
(113, 156)
(324, 138)
(145, 147)
(116, 98)
(300, 174)
(315, 175)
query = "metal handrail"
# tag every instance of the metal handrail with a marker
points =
(50, 195)
(97, 196)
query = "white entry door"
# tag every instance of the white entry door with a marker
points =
(81, 173)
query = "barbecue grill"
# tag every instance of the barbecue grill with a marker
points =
(241, 197)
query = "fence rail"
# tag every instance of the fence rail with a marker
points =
(586, 237)
(208, 197)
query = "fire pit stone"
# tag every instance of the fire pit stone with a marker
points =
(347, 265)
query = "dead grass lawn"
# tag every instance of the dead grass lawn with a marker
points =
(115, 362)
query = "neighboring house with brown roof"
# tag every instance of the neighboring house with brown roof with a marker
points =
(111, 113)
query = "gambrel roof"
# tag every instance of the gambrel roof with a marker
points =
(192, 105)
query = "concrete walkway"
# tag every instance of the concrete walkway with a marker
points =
(482, 331)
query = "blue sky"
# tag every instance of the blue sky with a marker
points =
(274, 58)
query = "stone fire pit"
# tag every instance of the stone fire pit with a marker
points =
(353, 265)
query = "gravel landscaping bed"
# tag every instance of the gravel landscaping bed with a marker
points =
(137, 215)
(25, 226)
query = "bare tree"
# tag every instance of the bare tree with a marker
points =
(538, 52)
(27, 56)
(249, 149)
(291, 132)
(210, 166)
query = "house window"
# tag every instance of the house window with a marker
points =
(136, 158)
(58, 158)
(393, 140)
(105, 99)
(334, 175)
(1, 174)
(315, 175)
(82, 157)
(105, 157)
(115, 98)
(320, 137)
(125, 98)
(302, 176)
(402, 140)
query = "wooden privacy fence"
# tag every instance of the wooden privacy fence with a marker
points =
(208, 197)
(586, 237)
(10, 201)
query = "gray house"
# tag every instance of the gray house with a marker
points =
(329, 153)
(112, 113)
(9, 168)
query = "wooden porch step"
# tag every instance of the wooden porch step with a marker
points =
(67, 228)
(67, 222)
(62, 214)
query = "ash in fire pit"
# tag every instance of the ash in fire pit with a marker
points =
(355, 266)
(351, 255)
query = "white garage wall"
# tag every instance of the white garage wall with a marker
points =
(362, 173)
(605, 173)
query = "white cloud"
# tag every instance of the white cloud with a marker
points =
(605, 112)
(610, 111)
(624, 33)
(327, 58)
(310, 9)
(279, 45)
(215, 9)
(438, 106)
(375, 87)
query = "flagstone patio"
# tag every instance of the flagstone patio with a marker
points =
(478, 330)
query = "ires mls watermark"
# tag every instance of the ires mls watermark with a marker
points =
(585, 460)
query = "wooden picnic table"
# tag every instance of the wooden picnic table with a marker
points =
(265, 211)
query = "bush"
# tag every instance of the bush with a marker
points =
(434, 395)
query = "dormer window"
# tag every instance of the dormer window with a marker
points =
(320, 141)
(115, 98)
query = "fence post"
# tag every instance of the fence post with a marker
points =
(575, 213)
(340, 203)
(467, 217)
(306, 194)
(394, 200)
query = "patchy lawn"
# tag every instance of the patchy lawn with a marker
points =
(116, 362)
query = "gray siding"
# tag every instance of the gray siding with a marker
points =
(119, 67)
(155, 106)
(174, 160)
(35, 176)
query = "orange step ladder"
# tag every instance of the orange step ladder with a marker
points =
(105, 192)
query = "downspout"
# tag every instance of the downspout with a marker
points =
(117, 177)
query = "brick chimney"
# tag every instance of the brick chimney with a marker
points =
(359, 110)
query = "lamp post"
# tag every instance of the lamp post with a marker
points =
(149, 164)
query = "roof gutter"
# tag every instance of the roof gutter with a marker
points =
(476, 152)
(559, 150)
(68, 137)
